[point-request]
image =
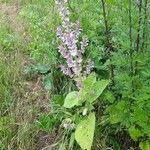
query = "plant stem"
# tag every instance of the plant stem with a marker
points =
(144, 25)
(108, 43)
(130, 36)
(131, 49)
(138, 32)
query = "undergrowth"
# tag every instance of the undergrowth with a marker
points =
(35, 95)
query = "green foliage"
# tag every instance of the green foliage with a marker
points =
(85, 132)
(72, 141)
(43, 70)
(71, 100)
(41, 25)
(38, 68)
(123, 109)
(5, 129)
(90, 91)
(145, 145)
(47, 82)
(1, 147)
(46, 122)
(135, 133)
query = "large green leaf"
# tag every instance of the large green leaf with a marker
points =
(87, 83)
(85, 132)
(97, 90)
(91, 93)
(71, 99)
(145, 145)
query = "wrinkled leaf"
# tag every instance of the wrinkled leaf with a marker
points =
(71, 99)
(85, 132)
(91, 93)
(97, 90)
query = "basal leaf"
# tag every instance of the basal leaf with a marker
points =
(71, 99)
(85, 132)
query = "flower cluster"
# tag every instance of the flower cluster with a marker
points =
(68, 33)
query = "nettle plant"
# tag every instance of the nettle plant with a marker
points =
(80, 103)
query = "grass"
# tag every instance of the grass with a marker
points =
(16, 123)
(22, 98)
(16, 115)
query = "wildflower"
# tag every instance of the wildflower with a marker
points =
(89, 67)
(84, 44)
(69, 33)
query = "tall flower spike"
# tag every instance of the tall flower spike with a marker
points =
(69, 33)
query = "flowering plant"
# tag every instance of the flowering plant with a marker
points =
(89, 89)
(69, 33)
